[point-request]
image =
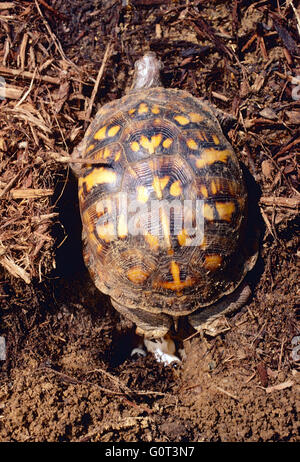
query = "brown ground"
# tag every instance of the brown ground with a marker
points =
(68, 375)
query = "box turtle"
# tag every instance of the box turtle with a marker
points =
(164, 207)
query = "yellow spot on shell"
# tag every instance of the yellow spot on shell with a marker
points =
(176, 284)
(106, 153)
(213, 187)
(175, 271)
(143, 108)
(182, 237)
(203, 191)
(142, 194)
(159, 185)
(210, 156)
(176, 188)
(215, 139)
(131, 111)
(195, 117)
(208, 212)
(212, 262)
(232, 186)
(99, 176)
(225, 210)
(202, 136)
(113, 130)
(135, 146)
(156, 140)
(192, 144)
(182, 120)
(155, 110)
(153, 241)
(137, 275)
(167, 143)
(100, 133)
(117, 156)
(122, 226)
(152, 144)
(90, 148)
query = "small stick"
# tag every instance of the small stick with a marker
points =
(28, 91)
(287, 147)
(55, 12)
(280, 355)
(10, 184)
(225, 392)
(220, 96)
(98, 80)
(247, 45)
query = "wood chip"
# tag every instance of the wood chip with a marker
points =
(268, 113)
(30, 193)
(293, 116)
(14, 269)
(289, 202)
(10, 92)
(258, 83)
(28, 75)
(262, 372)
(7, 5)
(267, 169)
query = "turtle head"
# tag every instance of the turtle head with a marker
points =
(147, 72)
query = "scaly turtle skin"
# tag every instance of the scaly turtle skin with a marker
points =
(157, 146)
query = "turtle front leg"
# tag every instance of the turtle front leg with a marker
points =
(154, 329)
(209, 319)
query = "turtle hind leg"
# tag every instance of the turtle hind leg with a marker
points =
(209, 318)
(150, 325)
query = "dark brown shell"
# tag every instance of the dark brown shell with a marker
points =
(161, 145)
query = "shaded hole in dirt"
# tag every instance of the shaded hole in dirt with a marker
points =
(123, 342)
(256, 224)
(67, 232)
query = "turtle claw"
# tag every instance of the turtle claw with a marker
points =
(138, 352)
(163, 350)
